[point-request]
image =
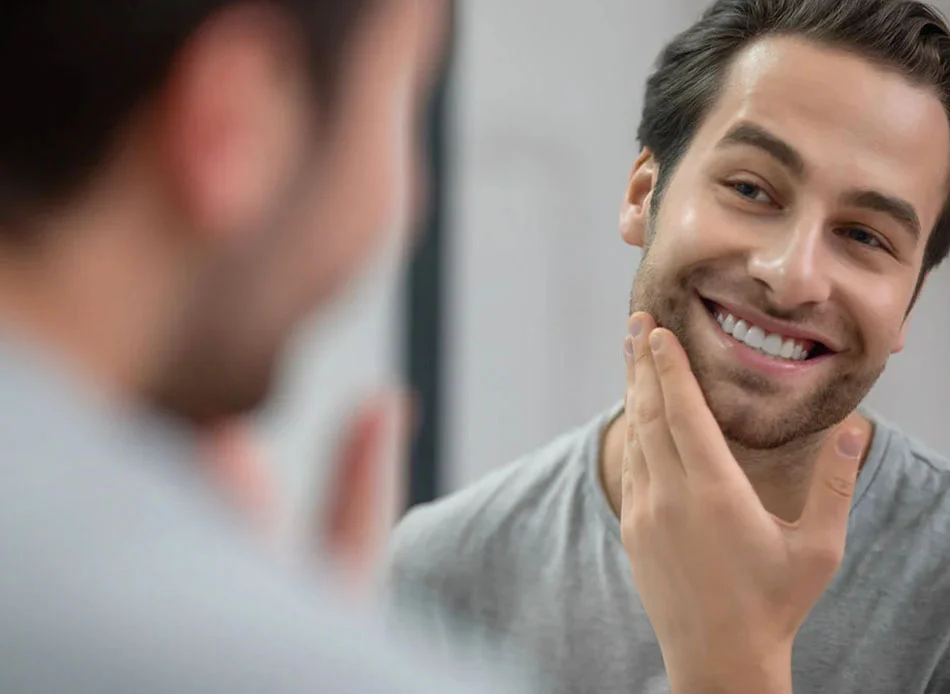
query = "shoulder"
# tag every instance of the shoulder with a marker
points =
(456, 540)
(906, 498)
(184, 602)
(507, 495)
(910, 466)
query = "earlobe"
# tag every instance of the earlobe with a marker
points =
(635, 212)
(901, 337)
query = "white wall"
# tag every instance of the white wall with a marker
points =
(548, 94)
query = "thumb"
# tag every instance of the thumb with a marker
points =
(824, 521)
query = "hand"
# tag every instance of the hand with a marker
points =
(367, 491)
(370, 488)
(239, 466)
(726, 585)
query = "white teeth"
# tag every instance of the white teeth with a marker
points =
(772, 345)
(755, 337)
(740, 331)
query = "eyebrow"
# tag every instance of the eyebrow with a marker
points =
(899, 210)
(752, 135)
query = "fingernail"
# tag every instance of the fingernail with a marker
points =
(636, 327)
(656, 340)
(628, 346)
(850, 444)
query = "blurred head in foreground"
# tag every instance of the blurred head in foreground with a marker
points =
(182, 182)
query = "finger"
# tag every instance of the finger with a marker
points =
(696, 434)
(824, 522)
(369, 485)
(238, 463)
(658, 449)
(634, 473)
(634, 476)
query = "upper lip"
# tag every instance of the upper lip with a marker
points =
(772, 325)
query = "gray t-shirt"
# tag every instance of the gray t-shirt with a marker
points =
(533, 554)
(122, 574)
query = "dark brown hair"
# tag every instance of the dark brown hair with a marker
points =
(911, 37)
(73, 71)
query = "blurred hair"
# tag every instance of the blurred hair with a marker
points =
(907, 36)
(73, 71)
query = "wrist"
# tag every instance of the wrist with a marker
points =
(755, 675)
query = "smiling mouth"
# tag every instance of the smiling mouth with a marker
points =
(777, 346)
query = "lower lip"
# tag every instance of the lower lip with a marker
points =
(755, 359)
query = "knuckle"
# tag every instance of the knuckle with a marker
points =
(648, 410)
(825, 557)
(634, 527)
(664, 365)
(640, 353)
(679, 416)
(717, 502)
(840, 486)
(666, 510)
(632, 437)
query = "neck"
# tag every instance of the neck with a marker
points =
(781, 477)
(96, 295)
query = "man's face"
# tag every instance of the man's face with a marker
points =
(787, 246)
(343, 180)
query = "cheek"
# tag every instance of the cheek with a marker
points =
(690, 230)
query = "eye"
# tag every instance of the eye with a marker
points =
(751, 192)
(862, 236)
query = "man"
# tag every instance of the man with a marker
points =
(790, 199)
(181, 182)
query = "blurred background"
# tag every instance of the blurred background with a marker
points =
(510, 322)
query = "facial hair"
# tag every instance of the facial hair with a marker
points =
(674, 304)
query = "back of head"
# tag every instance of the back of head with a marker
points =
(907, 36)
(73, 74)
(223, 167)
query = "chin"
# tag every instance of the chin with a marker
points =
(768, 421)
(214, 393)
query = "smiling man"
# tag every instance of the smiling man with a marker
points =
(790, 200)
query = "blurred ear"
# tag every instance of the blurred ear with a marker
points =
(233, 119)
(635, 212)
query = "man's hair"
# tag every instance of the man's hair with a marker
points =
(72, 72)
(908, 36)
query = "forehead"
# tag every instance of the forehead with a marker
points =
(855, 123)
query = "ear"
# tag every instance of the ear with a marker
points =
(902, 336)
(231, 120)
(635, 212)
